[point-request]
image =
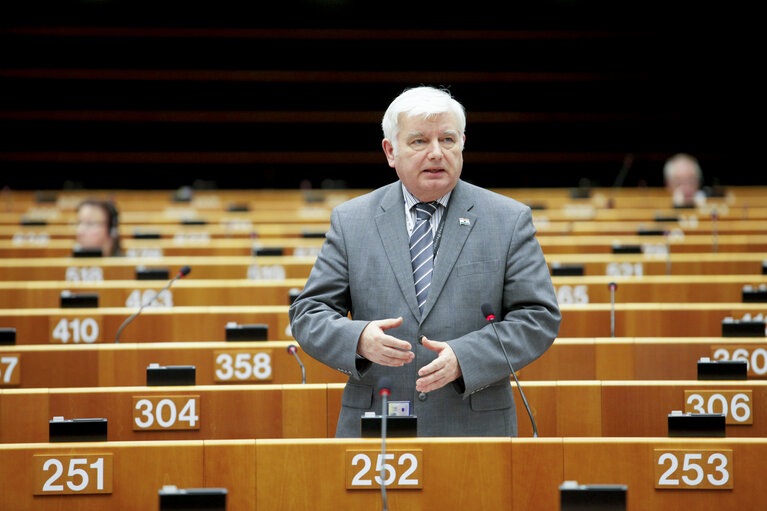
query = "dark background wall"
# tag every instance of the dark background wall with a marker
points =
(139, 94)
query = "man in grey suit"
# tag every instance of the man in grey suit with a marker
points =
(397, 287)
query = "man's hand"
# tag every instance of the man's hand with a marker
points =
(381, 348)
(441, 371)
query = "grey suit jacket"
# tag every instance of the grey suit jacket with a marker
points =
(488, 253)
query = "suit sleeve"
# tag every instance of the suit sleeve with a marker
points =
(319, 317)
(528, 316)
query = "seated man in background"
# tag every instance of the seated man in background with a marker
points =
(97, 227)
(683, 178)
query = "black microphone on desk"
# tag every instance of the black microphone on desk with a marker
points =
(384, 389)
(183, 272)
(487, 311)
(293, 350)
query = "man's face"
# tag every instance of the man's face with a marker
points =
(684, 180)
(429, 155)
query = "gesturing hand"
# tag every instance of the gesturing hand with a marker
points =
(441, 370)
(381, 348)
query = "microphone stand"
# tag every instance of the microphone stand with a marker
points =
(612, 286)
(486, 311)
(183, 273)
(384, 409)
(293, 351)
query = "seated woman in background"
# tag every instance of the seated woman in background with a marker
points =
(97, 227)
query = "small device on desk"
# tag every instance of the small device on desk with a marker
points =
(77, 430)
(592, 497)
(70, 300)
(694, 425)
(256, 332)
(192, 499)
(722, 369)
(399, 422)
(157, 375)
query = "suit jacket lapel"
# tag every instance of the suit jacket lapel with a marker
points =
(459, 223)
(393, 231)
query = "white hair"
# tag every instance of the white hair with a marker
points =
(423, 101)
(668, 168)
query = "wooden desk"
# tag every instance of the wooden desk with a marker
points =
(652, 319)
(124, 268)
(586, 244)
(294, 224)
(627, 265)
(124, 364)
(561, 409)
(626, 358)
(190, 247)
(693, 243)
(247, 267)
(198, 292)
(674, 217)
(139, 471)
(199, 412)
(39, 326)
(102, 365)
(515, 474)
(132, 293)
(632, 227)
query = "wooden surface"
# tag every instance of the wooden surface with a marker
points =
(234, 412)
(200, 292)
(496, 473)
(124, 268)
(554, 244)
(231, 267)
(124, 364)
(36, 326)
(560, 409)
(289, 224)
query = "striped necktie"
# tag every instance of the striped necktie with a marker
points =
(422, 250)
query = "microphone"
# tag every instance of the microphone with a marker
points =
(612, 286)
(294, 351)
(183, 272)
(487, 311)
(628, 161)
(384, 390)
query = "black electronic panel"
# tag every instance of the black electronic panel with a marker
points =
(69, 300)
(695, 425)
(397, 426)
(152, 273)
(77, 430)
(157, 375)
(592, 497)
(256, 332)
(7, 336)
(192, 499)
(722, 369)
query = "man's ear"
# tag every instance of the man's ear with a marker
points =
(388, 151)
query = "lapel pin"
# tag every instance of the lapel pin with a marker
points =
(464, 221)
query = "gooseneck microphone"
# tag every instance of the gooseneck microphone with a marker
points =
(384, 389)
(612, 286)
(183, 272)
(487, 311)
(293, 350)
